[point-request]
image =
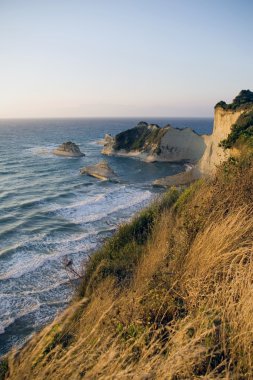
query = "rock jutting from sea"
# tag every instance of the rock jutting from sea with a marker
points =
(101, 170)
(151, 143)
(68, 149)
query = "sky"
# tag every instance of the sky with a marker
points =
(116, 58)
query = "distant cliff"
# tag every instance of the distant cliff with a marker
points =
(152, 143)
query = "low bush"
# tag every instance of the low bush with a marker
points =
(3, 368)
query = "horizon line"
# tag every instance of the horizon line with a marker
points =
(103, 117)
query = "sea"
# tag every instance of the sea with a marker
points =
(51, 215)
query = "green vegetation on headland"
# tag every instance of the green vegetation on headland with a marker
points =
(139, 137)
(242, 100)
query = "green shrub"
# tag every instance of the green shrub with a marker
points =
(3, 368)
(187, 194)
(241, 131)
(139, 137)
(242, 100)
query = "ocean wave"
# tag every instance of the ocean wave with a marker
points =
(41, 151)
(25, 305)
(28, 254)
(28, 261)
(98, 207)
(33, 311)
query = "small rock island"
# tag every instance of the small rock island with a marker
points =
(68, 149)
(101, 170)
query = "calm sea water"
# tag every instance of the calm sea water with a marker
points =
(49, 212)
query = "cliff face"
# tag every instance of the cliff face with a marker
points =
(152, 143)
(214, 154)
(234, 120)
(181, 144)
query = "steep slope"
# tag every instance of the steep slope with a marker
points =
(168, 297)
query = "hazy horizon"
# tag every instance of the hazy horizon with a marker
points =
(105, 117)
(113, 59)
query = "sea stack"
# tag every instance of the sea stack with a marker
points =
(68, 149)
(101, 170)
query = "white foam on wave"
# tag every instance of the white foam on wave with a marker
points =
(24, 305)
(5, 322)
(28, 260)
(30, 254)
(83, 202)
(41, 151)
(97, 208)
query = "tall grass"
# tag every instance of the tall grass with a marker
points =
(170, 296)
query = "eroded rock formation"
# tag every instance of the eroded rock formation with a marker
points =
(101, 170)
(68, 149)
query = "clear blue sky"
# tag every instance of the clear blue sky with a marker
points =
(123, 57)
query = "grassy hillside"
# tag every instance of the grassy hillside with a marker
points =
(169, 296)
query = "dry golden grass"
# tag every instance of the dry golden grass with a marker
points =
(185, 314)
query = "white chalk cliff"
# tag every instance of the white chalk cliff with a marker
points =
(214, 155)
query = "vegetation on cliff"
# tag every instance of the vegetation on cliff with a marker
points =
(168, 297)
(242, 100)
(143, 136)
(241, 132)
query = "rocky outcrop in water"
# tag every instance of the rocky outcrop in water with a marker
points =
(152, 143)
(68, 149)
(101, 170)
